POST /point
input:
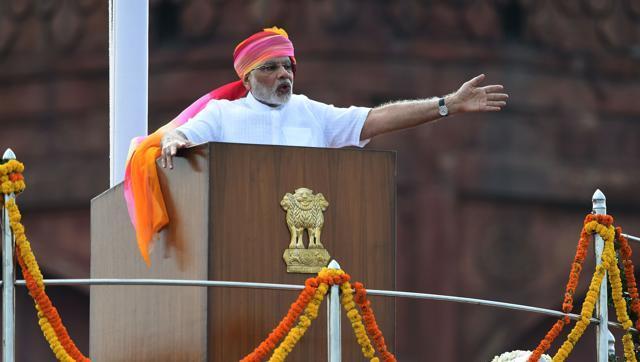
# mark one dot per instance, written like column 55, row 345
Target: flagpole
column 128, row 79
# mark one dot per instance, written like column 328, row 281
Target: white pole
column 612, row 344
column 128, row 79
column 602, row 313
column 334, row 344
column 8, row 280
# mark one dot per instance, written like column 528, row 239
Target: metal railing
column 604, row 337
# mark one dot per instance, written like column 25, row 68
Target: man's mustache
column 284, row 82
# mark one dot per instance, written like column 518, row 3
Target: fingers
column 169, row 162
column 493, row 88
column 497, row 96
column 496, row 100
column 167, row 157
column 496, row 103
column 477, row 80
column 172, row 152
column 170, row 149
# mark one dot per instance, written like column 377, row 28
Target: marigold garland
column 356, row 322
column 47, row 330
column 632, row 289
column 574, row 275
column 609, row 263
column 263, row 350
column 585, row 315
column 370, row 322
column 602, row 225
column 295, row 334
column 12, row 181
column 306, row 309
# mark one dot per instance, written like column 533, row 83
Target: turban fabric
column 143, row 196
column 260, row 47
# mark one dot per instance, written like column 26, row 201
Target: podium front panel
column 248, row 235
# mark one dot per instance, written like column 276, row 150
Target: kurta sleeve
column 342, row 126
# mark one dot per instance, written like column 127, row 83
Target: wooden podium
column 227, row 224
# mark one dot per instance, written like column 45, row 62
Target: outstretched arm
column 471, row 97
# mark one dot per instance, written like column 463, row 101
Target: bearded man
column 271, row 114
column 261, row 108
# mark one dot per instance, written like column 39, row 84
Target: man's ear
column 245, row 81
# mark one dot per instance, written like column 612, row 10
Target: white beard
column 270, row 95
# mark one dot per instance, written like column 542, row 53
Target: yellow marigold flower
column 562, row 353
column 305, row 321
column 627, row 343
column 323, row 288
column 7, row 187
column 21, row 239
column 18, row 228
column 350, row 305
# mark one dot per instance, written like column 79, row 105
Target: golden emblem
column 304, row 212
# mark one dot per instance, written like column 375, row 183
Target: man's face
column 272, row 81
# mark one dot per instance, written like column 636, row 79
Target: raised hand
column 472, row 97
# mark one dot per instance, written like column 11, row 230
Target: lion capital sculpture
column 304, row 212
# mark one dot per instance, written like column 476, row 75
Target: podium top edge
column 350, row 148
column 209, row 145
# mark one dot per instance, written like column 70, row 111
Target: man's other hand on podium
column 170, row 144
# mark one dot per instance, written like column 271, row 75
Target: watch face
column 443, row 110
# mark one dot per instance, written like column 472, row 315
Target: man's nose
column 282, row 73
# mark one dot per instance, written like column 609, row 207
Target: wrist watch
column 442, row 108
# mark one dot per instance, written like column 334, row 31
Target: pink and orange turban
column 260, row 47
column 142, row 192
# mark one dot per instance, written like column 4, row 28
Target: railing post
column 8, row 280
column 612, row 344
column 602, row 332
column 333, row 320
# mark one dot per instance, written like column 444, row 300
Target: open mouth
column 283, row 89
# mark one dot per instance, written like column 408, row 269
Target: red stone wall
column 489, row 205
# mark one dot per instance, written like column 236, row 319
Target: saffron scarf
column 142, row 192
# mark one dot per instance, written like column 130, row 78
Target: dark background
column 489, row 205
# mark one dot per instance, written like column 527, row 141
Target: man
column 271, row 114
column 261, row 108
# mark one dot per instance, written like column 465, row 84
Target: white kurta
column 299, row 122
